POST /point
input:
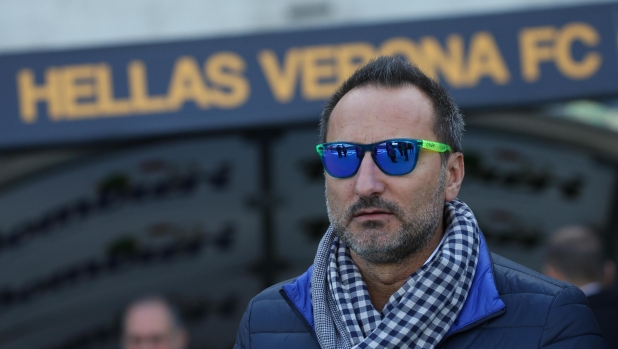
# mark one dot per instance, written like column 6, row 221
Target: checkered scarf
column 418, row 315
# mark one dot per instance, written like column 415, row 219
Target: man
column 404, row 264
column 575, row 255
column 153, row 323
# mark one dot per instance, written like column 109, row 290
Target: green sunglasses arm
column 435, row 146
column 320, row 149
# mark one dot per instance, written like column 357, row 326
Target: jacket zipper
column 479, row 321
column 300, row 316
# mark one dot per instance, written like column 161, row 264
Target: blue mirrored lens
column 341, row 160
column 396, row 157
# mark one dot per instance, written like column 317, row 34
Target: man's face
column 149, row 326
column 380, row 217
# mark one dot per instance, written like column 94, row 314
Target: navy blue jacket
column 508, row 306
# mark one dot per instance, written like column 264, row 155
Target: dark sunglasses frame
column 418, row 144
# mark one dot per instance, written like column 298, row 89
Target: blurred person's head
column 575, row 254
column 153, row 323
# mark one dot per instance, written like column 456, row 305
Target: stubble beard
column 416, row 228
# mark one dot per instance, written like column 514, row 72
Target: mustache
column 374, row 202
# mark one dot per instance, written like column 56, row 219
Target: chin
column 379, row 240
column 381, row 254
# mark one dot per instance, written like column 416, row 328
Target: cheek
column 339, row 192
column 427, row 172
column 419, row 189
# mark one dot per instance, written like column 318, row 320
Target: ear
column 609, row 273
column 552, row 272
column 454, row 176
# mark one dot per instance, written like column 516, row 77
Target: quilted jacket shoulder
column 271, row 322
column 540, row 312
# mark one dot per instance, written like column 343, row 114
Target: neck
column 383, row 280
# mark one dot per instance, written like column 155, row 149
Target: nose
column 369, row 178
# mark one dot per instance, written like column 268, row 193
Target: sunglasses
column 395, row 157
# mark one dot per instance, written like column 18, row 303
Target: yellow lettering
column 87, row 91
column 450, row 63
column 485, row 59
column 79, row 91
column 187, row 84
column 319, row 79
column 282, row 82
column 30, row 94
column 557, row 46
column 564, row 60
column 138, row 90
column 535, row 47
column 107, row 104
column 225, row 71
column 350, row 57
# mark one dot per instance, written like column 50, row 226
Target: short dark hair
column 577, row 252
column 394, row 72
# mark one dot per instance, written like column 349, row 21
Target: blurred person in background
column 575, row 254
column 152, row 322
column 404, row 264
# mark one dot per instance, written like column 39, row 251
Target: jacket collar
column 483, row 299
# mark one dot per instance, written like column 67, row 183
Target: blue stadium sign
column 282, row 78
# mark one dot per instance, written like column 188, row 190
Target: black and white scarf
column 418, row 315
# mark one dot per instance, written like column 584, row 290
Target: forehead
column 369, row 114
column 148, row 317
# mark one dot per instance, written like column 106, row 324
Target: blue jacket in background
column 508, row 306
